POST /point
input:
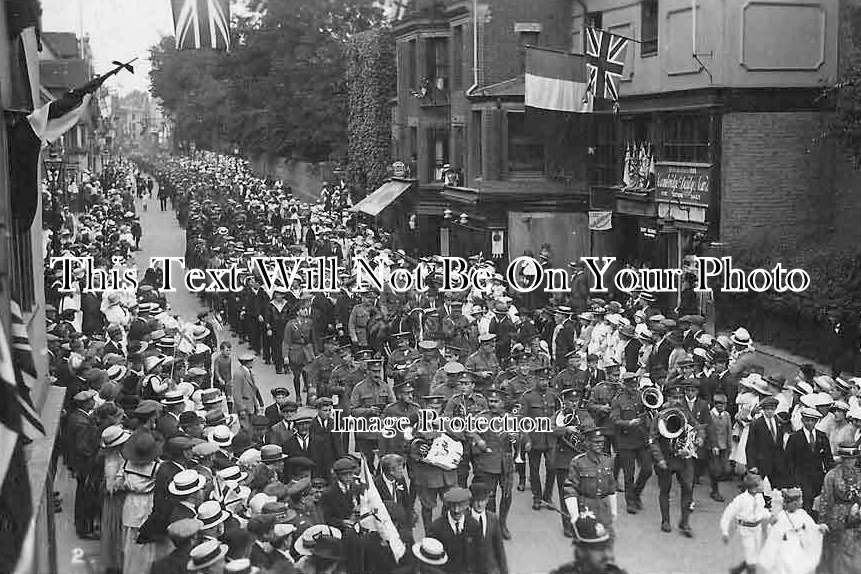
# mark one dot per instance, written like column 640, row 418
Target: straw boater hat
column 206, row 554
column 741, row 337
column 430, row 551
column 186, row 482
column 114, row 436
column 304, row 545
column 211, row 514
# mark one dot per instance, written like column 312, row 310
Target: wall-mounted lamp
column 464, row 218
column 446, row 214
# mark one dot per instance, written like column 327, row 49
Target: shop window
column 686, row 139
column 604, row 163
column 525, row 146
column 438, row 150
column 23, row 286
column 649, row 27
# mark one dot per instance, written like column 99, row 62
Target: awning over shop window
column 383, row 197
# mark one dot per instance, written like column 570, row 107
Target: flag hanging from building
column 605, row 62
column 201, row 24
column 556, row 81
column 19, row 422
column 600, row 220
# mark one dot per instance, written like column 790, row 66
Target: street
column 537, row 543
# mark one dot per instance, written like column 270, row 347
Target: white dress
column 793, row 545
column 746, row 514
column 746, row 402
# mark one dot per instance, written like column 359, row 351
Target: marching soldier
column 493, row 459
column 427, row 367
column 673, row 458
column 571, row 376
column 402, row 354
column 459, row 331
column 569, row 441
column 599, row 402
column 447, row 380
column 484, row 362
column 591, row 486
column 321, row 368
column 466, row 402
column 367, row 400
column 407, row 408
column 626, row 414
column 539, row 402
column 430, row 481
column 360, row 320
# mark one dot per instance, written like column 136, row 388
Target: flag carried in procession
column 201, row 24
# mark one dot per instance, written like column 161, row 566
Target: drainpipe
column 474, row 48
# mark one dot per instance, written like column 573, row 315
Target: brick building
column 459, row 109
column 737, row 108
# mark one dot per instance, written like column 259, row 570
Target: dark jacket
column 766, row 455
column 806, row 464
column 462, row 558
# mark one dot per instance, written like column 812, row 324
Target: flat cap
column 456, row 495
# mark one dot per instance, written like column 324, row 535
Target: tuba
column 673, row 425
column 567, row 417
column 652, row 398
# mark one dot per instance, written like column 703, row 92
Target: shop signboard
column 688, row 184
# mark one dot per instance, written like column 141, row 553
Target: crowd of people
column 182, row 465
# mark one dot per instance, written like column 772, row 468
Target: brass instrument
column 673, row 425
column 573, row 439
column 652, row 398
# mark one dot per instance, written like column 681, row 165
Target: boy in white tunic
column 747, row 511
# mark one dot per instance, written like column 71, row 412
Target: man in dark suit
column 765, row 454
column 181, row 533
column 492, row 549
column 326, row 445
column 115, row 341
column 339, row 501
column 562, row 339
column 281, row 432
column 300, row 443
column 459, row 533
column 273, row 411
column 631, row 352
column 699, row 412
column 808, row 457
column 168, row 422
column 83, row 436
column 392, row 485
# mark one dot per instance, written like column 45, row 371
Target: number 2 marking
column 77, row 556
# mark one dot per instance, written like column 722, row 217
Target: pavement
column 537, row 545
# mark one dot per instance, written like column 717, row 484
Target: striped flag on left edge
column 19, row 423
column 556, row 81
column 201, row 24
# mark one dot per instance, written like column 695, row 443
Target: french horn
column 671, row 423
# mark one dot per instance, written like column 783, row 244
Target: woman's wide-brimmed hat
column 141, row 447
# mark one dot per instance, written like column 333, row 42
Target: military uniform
column 536, row 403
column 398, row 443
column 569, row 378
column 358, row 323
column 430, row 481
column 494, row 465
column 563, row 453
column 424, row 372
column 599, row 407
column 366, row 395
column 683, row 468
column 590, row 479
column 460, row 405
column 482, row 361
column 631, row 444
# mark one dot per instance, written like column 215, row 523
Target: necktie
column 481, row 524
column 773, row 429
column 812, row 440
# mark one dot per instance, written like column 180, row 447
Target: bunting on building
column 600, row 220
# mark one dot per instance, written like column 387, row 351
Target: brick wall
column 778, row 181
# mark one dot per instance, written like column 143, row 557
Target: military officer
column 426, row 367
column 483, row 362
column 367, row 400
column 404, row 407
column 593, row 549
column 599, row 401
column 540, row 401
column 447, row 380
column 569, row 440
column 591, row 485
column 360, row 320
column 571, row 376
column 321, row 368
column 493, row 458
column 402, row 354
column 459, row 331
column 627, row 414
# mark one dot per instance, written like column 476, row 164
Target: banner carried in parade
column 605, row 61
column 556, row 81
column 201, row 24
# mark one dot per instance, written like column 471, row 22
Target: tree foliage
column 371, row 83
column 281, row 88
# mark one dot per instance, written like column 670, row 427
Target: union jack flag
column 201, row 24
column 605, row 60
